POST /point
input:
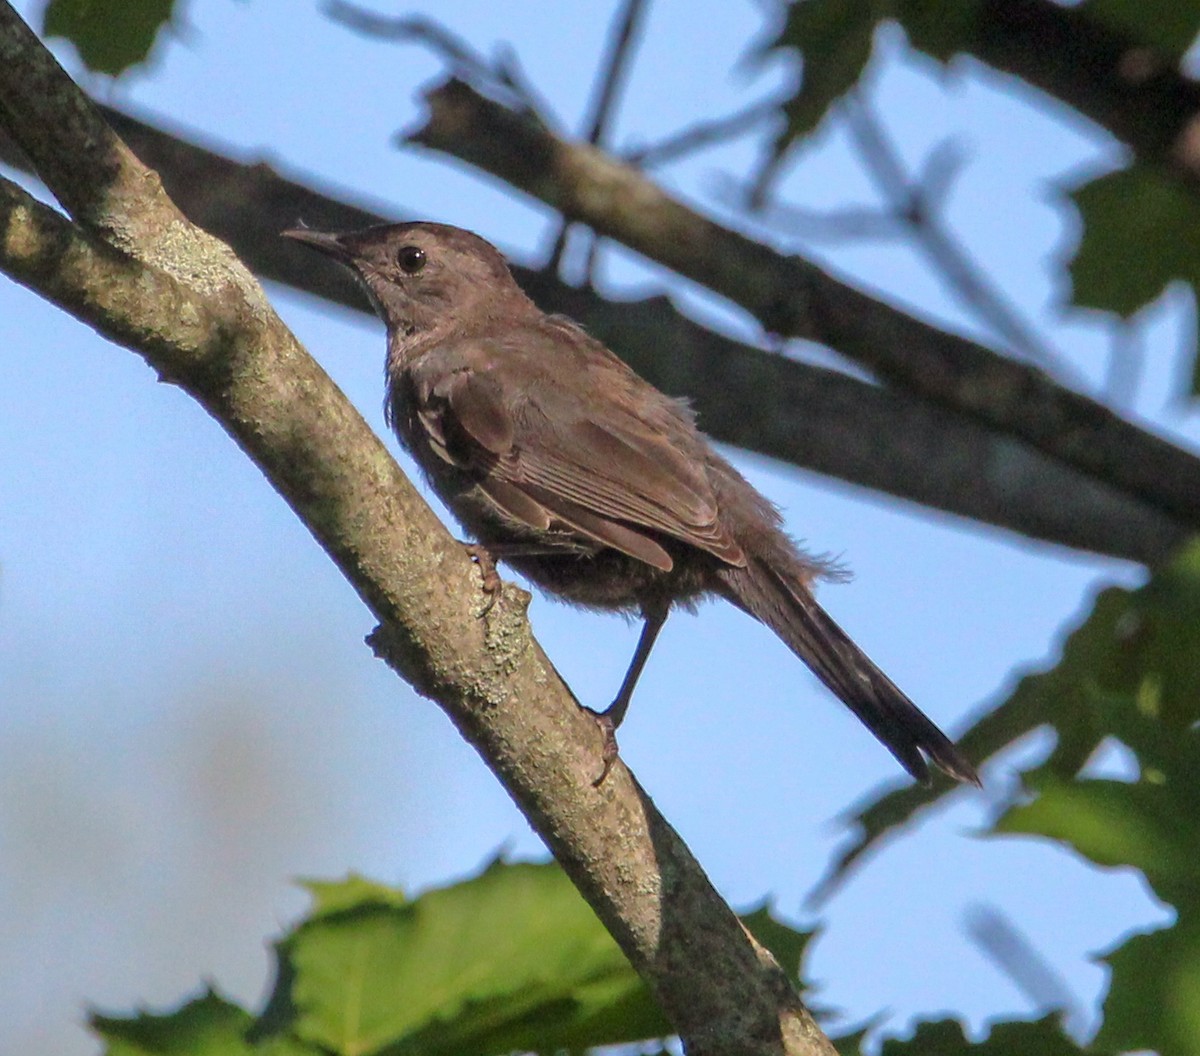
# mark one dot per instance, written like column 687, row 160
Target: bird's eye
column 411, row 259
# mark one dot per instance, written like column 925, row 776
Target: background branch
column 1141, row 98
column 794, row 297
column 703, row 134
column 916, row 204
column 808, row 416
column 610, row 81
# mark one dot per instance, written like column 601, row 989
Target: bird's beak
column 326, row 242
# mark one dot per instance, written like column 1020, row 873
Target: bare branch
column 915, row 204
column 851, row 223
column 81, row 160
column 703, row 134
column 998, row 937
column 811, row 417
column 795, row 297
column 610, row 82
column 504, row 76
column 616, row 68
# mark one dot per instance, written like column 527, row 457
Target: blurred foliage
column 1129, row 676
column 1167, row 26
column 1126, row 674
column 1042, row 1037
column 111, row 35
column 510, row 960
column 835, row 37
column 1138, row 225
column 1149, row 222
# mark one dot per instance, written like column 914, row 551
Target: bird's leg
column 655, row 618
column 612, row 716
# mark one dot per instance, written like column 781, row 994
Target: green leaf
column 787, row 945
column 1153, row 1000
column 834, row 37
column 1149, row 655
column 1150, row 826
column 111, row 35
column 939, row 28
column 851, row 1044
column 1141, row 230
column 331, row 897
column 511, row 960
column 1167, row 26
column 207, row 1026
column 1127, row 672
column 1042, row 1037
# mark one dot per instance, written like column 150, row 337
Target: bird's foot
column 482, row 556
column 609, row 751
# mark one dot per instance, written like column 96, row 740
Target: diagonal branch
column 794, row 297
column 703, row 134
column 809, row 416
column 217, row 338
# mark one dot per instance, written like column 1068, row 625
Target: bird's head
column 424, row 278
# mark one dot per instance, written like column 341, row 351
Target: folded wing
column 544, row 455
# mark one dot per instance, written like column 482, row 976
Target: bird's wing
column 546, row 451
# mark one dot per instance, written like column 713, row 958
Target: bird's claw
column 492, row 583
column 610, row 751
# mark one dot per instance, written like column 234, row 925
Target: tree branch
column 917, row 204
column 814, row 418
column 204, row 330
column 1140, row 98
column 793, row 297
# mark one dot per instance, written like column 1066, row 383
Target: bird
column 560, row 460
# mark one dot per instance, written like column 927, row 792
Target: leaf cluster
column 511, row 960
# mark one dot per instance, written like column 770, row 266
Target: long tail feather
column 810, row 632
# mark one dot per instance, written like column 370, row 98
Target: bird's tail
column 809, row 631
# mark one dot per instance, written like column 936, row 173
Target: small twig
column 501, row 77
column 409, row 27
column 609, row 82
column 766, row 176
column 938, row 173
column 512, row 73
column 852, row 224
column 1126, row 357
column 702, row 134
column 612, row 78
column 792, row 296
column 916, row 202
column 999, row 938
column 558, row 249
column 196, row 316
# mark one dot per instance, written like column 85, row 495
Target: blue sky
column 190, row 719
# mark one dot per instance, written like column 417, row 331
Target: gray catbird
column 585, row 478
